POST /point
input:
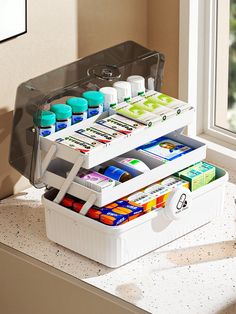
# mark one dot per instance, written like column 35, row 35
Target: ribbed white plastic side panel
column 116, row 246
column 68, row 232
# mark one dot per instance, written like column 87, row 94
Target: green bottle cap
column 94, row 98
column 78, row 104
column 44, row 118
column 62, row 111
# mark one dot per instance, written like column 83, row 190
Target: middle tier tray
column 56, row 172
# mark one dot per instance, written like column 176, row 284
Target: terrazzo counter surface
column 195, row 274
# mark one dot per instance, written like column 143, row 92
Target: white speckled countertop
column 194, row 274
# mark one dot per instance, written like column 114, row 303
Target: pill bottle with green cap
column 63, row 116
column 123, row 90
column 137, row 85
column 95, row 102
column 79, row 108
column 110, row 97
column 45, row 121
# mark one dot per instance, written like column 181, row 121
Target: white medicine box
column 46, row 162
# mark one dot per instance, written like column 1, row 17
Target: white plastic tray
column 116, row 148
column 115, row 246
column 55, row 175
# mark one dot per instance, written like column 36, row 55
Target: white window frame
column 197, row 72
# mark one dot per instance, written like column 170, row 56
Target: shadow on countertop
column 203, row 254
column 229, row 309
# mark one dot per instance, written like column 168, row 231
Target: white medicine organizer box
column 46, row 162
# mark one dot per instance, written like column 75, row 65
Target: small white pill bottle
column 110, row 97
column 123, row 90
column 137, row 85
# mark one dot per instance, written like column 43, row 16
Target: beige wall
column 163, row 35
column 51, row 41
column 105, row 23
column 59, row 31
column 155, row 24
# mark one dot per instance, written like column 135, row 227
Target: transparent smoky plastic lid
column 90, row 73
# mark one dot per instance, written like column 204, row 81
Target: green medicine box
column 208, row 171
column 198, row 175
column 194, row 177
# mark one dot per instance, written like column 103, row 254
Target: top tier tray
column 117, row 148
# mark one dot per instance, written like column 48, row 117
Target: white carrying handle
column 67, row 182
column 90, row 202
column 178, row 203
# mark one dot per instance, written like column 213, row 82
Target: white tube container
column 123, row 90
column 132, row 165
column 137, row 85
